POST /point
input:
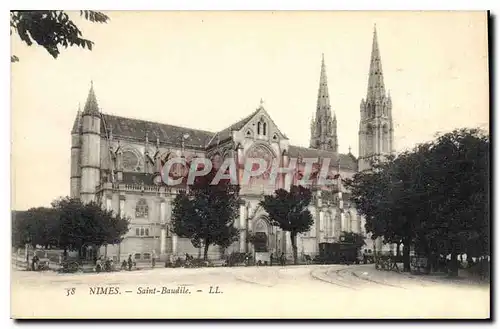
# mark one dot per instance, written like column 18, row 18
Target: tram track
column 323, row 276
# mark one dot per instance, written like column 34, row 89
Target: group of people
column 128, row 264
column 279, row 260
column 104, row 264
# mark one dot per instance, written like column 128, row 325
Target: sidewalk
column 464, row 277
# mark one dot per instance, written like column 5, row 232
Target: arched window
column 385, row 141
column 147, row 256
column 369, row 140
column 137, row 231
column 137, row 256
column 262, row 127
column 141, row 209
column 147, row 232
column 131, row 161
column 142, row 231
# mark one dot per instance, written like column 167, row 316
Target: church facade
column 114, row 161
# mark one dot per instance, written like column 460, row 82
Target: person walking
column 98, row 265
column 34, row 262
column 271, row 258
column 130, row 262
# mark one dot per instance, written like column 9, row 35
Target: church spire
column 376, row 132
column 323, row 103
column 91, row 105
column 324, row 127
column 376, row 87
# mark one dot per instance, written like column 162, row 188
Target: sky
column 207, row 70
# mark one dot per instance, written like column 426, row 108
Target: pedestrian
column 153, row 261
column 282, row 259
column 98, row 265
column 130, row 262
column 34, row 262
column 271, row 259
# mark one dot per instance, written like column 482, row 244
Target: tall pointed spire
column 323, row 104
column 324, row 127
column 91, row 105
column 376, row 87
column 376, row 125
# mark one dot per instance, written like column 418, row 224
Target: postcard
column 250, row 165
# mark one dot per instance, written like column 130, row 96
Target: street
column 312, row 291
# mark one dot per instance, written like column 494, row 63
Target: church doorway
column 261, row 241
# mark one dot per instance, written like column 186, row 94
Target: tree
column 20, row 230
column 289, row 211
column 434, row 197
column 52, row 29
column 36, row 227
column 206, row 213
column 457, row 177
column 87, row 224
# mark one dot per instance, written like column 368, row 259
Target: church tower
column 323, row 127
column 376, row 131
column 90, row 148
column 75, row 179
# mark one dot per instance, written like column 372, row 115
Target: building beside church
column 114, row 161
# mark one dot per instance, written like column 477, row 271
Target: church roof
column 136, row 129
column 347, row 161
column 199, row 139
column 226, row 134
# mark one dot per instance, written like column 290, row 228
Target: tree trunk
column 430, row 261
column 293, row 237
column 205, row 250
column 453, row 265
column 398, row 246
column 406, row 255
column 470, row 262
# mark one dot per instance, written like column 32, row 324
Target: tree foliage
column 289, row 211
column 87, row 224
column 206, row 213
column 36, row 226
column 52, row 29
column 434, row 197
column 68, row 225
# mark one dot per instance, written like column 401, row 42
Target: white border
column 176, row 5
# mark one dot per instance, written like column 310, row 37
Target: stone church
column 114, row 161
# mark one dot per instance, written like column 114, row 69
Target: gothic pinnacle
column 323, row 103
column 91, row 105
column 376, row 87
